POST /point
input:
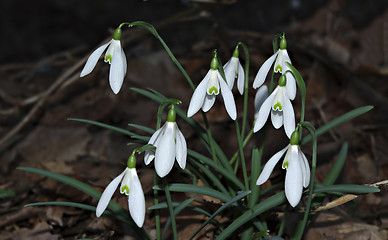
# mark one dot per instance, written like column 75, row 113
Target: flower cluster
column 168, row 143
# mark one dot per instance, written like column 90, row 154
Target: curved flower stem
column 302, row 225
column 148, row 27
column 242, row 158
column 246, row 83
column 170, row 209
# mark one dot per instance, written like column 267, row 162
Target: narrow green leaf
column 115, row 207
column 143, row 128
column 178, row 187
column 338, row 121
column 164, row 205
column 177, row 210
column 103, row 125
column 337, row 166
column 258, row 209
column 219, row 210
column 211, row 176
column 345, row 188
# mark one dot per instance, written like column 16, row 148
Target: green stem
column 170, row 209
column 209, row 136
column 152, row 30
column 282, row 224
column 246, row 83
column 247, row 138
column 157, row 211
column 242, row 158
column 302, row 225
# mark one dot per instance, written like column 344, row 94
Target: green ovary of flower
column 213, row 90
column 277, row 106
column 285, row 165
column 108, row 58
column 125, row 189
column 278, row 68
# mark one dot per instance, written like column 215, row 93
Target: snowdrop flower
column 115, row 57
column 170, row 144
column 130, row 186
column 280, row 58
column 297, row 166
column 234, row 69
column 205, row 94
column 282, row 112
column 261, row 95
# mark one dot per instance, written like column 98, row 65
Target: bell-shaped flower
column 170, row 144
column 282, row 112
column 115, row 57
column 206, row 92
column 130, row 186
column 233, row 69
column 280, row 58
column 297, row 166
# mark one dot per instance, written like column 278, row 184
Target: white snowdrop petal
column 230, row 72
column 306, row 175
column 240, row 79
column 294, row 180
column 263, row 113
column 208, row 102
column 181, row 148
column 198, row 97
column 277, row 118
column 149, row 155
column 291, row 86
column 288, row 116
column 261, row 95
column 108, row 193
column 263, row 71
column 124, row 61
column 165, row 151
column 227, row 95
column 269, row 166
column 136, row 201
column 116, row 73
column 93, row 59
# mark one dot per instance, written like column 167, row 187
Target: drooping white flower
column 130, row 186
column 115, row 57
column 280, row 58
column 282, row 112
column 261, row 95
column 170, row 144
column 297, row 166
column 205, row 94
column 234, row 69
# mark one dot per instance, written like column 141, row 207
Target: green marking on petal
column 108, row 58
column 213, row 90
column 278, row 68
column 277, row 106
column 125, row 189
column 285, row 165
